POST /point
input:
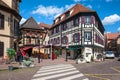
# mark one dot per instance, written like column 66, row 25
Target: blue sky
column 46, row 10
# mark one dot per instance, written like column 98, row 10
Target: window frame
column 87, row 19
column 76, row 37
column 2, row 20
column 88, row 34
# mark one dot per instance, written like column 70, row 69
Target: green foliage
column 11, row 53
column 92, row 58
column 56, row 52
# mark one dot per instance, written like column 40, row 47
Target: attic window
column 71, row 11
column 59, row 18
column 62, row 17
column 67, row 14
column 56, row 20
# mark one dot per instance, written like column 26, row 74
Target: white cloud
column 118, row 29
column 51, row 11
column 108, row 0
column 111, row 19
column 69, row 6
column 89, row 6
column 79, row 0
column 48, row 11
column 76, row 0
column 22, row 20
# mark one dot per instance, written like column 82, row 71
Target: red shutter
column 83, row 20
column 72, row 38
column 79, row 37
column 92, row 19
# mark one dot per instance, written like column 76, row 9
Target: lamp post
column 51, row 50
column 39, row 51
column 66, row 51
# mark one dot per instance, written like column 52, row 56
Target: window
column 16, row 28
column 67, row 14
column 64, row 40
column 76, row 22
column 82, row 20
column 58, row 40
column 69, row 24
column 64, row 27
column 28, row 40
column 57, row 29
column 52, row 31
column 16, row 4
column 1, row 48
column 87, row 19
column 1, row 21
column 76, row 37
column 87, row 36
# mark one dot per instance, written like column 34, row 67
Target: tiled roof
column 30, row 24
column 76, row 9
column 111, row 35
column 45, row 25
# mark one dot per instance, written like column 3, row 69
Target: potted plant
column 56, row 53
column 11, row 54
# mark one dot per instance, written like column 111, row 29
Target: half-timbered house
column 79, row 31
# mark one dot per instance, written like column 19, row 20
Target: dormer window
column 59, row 18
column 71, row 11
column 62, row 17
column 67, row 14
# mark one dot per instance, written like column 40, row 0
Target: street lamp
column 39, row 51
column 51, row 50
column 66, row 51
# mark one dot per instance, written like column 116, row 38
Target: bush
column 11, row 54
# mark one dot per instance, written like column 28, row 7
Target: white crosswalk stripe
column 59, row 72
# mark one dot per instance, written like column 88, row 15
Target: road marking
column 59, row 72
column 55, row 66
column 115, row 69
column 102, row 74
column 67, row 67
column 42, row 74
column 55, row 76
column 99, row 77
column 72, row 77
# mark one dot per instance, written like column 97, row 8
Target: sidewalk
column 43, row 62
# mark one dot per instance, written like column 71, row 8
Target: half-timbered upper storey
column 78, row 25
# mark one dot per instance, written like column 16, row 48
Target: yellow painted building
column 9, row 25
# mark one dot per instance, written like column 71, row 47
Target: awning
column 26, row 48
column 49, row 46
column 74, row 47
column 36, row 50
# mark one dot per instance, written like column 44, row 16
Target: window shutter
column 78, row 37
column 83, row 19
column 92, row 19
column 73, row 38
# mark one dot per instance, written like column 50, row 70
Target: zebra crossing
column 59, row 72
